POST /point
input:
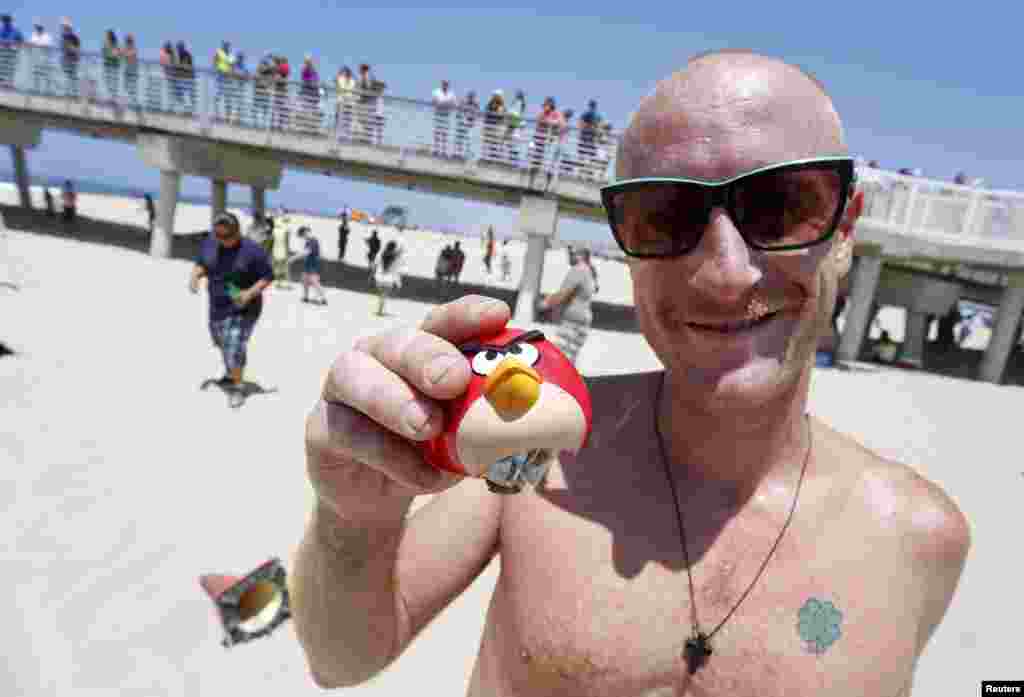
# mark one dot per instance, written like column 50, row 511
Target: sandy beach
column 125, row 481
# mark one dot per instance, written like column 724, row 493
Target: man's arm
column 941, row 538
column 361, row 593
column 564, row 294
column 198, row 272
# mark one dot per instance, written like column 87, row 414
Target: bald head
column 727, row 112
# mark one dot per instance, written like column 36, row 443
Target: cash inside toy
column 509, row 474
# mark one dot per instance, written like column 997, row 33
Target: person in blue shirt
column 237, row 270
column 310, row 267
column 10, row 41
column 586, row 148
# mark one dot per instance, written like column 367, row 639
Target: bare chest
column 594, row 599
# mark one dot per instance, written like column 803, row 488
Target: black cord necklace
column 698, row 646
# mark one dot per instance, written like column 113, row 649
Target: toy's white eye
column 527, row 353
column 486, row 361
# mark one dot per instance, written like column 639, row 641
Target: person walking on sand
column 343, row 231
column 489, row 249
column 310, row 266
column 69, row 201
column 150, row 207
column 51, row 209
column 506, row 262
column 388, row 274
column 712, row 536
column 237, row 272
column 572, row 305
column 372, row 248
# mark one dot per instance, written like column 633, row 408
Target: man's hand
column 193, row 286
column 381, row 396
column 246, row 296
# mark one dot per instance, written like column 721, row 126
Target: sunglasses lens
column 787, row 207
column 773, row 210
column 658, row 218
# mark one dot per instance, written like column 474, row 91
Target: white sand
column 125, row 482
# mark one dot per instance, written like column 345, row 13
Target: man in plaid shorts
column 237, row 270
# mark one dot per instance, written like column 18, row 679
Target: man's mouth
column 735, row 326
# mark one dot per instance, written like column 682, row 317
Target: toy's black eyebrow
column 474, row 346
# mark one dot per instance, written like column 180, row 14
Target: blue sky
column 916, row 85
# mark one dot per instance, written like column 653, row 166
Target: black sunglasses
column 781, row 207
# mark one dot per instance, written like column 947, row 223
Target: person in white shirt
column 41, row 49
column 387, row 275
column 444, row 103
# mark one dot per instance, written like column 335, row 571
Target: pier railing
column 941, row 210
column 317, row 110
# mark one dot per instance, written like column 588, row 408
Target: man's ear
column 851, row 214
column 842, row 248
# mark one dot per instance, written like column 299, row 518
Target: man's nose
column 725, row 262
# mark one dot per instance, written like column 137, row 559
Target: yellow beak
column 512, row 389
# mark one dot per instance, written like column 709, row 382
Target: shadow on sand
column 333, row 273
column 248, row 388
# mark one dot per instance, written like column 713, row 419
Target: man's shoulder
column 896, row 497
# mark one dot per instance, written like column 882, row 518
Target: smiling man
column 712, row 538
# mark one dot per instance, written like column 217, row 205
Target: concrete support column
column 914, row 338
column 529, row 282
column 1004, row 334
column 538, row 218
column 259, row 201
column 21, row 175
column 163, row 231
column 219, row 199
column 866, row 272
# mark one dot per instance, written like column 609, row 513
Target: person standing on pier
column 42, row 58
column 11, row 40
column 111, row 64
column 130, row 56
column 187, row 74
column 71, row 52
column 444, row 101
column 237, row 272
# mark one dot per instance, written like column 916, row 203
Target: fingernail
column 488, row 307
column 439, row 367
column 415, row 416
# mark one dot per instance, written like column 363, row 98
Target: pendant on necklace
column 698, row 648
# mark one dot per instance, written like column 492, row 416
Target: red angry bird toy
column 525, row 401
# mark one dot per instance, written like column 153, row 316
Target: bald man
column 711, row 539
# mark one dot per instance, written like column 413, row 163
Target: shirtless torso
column 593, row 598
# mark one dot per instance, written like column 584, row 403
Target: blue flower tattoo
column 819, row 625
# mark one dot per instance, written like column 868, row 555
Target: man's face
column 225, row 235
column 444, row 85
column 744, row 121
